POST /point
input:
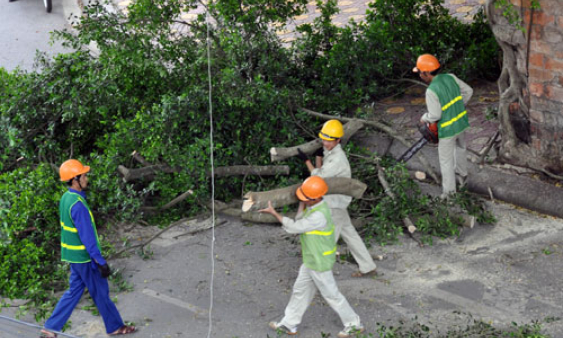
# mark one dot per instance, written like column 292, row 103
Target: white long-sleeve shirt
column 314, row 221
column 433, row 103
column 335, row 164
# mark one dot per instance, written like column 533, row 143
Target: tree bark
column 280, row 154
column 286, row 196
column 240, row 170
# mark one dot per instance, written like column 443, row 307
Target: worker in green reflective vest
column 316, row 229
column 446, row 98
column 80, row 247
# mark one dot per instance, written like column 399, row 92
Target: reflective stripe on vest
column 73, row 247
column 447, row 123
column 69, row 229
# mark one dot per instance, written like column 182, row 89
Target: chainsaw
column 429, row 133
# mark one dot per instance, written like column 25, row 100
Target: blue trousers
column 85, row 275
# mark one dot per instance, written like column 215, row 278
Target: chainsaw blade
column 413, row 150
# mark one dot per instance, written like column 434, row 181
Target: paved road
column 26, row 27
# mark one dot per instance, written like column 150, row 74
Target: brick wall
column 545, row 78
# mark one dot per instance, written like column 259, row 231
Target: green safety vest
column 454, row 116
column 72, row 248
column 319, row 246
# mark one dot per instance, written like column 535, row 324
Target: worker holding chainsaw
column 81, row 248
column 316, row 229
column 446, row 98
column 331, row 161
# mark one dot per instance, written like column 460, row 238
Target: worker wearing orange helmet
column 446, row 98
column 331, row 161
column 80, row 247
column 314, row 225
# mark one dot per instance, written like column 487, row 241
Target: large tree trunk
column 531, row 100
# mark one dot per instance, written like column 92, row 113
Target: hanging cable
column 212, row 176
column 34, row 326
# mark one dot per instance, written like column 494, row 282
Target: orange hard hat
column 426, row 63
column 312, row 188
column 72, row 168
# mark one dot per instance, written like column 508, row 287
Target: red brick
column 541, row 47
column 542, row 19
column 554, row 65
column 560, row 21
column 536, row 59
column 554, row 93
column 561, row 80
column 536, row 116
column 536, row 32
column 536, row 143
column 540, row 75
column 558, row 55
column 537, row 89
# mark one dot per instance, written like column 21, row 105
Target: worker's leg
column 303, row 292
column 461, row 155
column 329, row 290
column 68, row 301
column 446, row 154
column 99, row 291
column 355, row 243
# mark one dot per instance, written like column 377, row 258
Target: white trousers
column 343, row 226
column 452, row 160
column 304, row 289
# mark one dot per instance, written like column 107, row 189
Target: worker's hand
column 104, row 270
column 269, row 210
column 302, row 155
column 319, row 152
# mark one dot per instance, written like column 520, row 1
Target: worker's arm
column 434, row 108
column 464, row 89
column 314, row 221
column 83, row 223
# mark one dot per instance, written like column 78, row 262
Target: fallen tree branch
column 285, row 196
column 490, row 144
column 172, row 203
column 140, row 173
column 280, row 154
column 155, row 236
column 381, row 176
column 239, row 170
column 387, row 130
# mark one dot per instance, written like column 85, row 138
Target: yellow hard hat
column 332, row 130
column 72, row 168
column 426, row 63
column 312, row 188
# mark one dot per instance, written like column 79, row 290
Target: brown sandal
column 125, row 329
column 372, row 273
column 47, row 334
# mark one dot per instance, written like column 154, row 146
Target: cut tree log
column 280, row 154
column 386, row 129
column 243, row 170
column 140, row 173
column 286, row 196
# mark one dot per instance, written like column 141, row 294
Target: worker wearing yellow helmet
column 446, row 98
column 316, row 229
column 331, row 161
column 80, row 247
